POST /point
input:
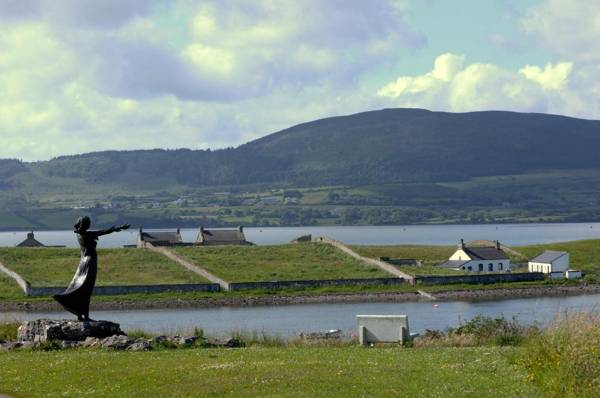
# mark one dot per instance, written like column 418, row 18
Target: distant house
column 550, row 262
column 478, row 259
column 30, row 241
column 159, row 238
column 214, row 237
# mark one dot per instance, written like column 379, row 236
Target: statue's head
column 83, row 224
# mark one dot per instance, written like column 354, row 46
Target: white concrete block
column 382, row 328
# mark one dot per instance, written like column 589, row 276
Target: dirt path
column 192, row 267
column 23, row 284
column 370, row 261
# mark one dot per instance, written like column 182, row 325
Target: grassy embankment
column 56, row 266
column 45, row 267
column 282, row 262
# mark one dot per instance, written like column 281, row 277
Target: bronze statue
column 76, row 298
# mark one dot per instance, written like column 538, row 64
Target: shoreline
column 332, row 298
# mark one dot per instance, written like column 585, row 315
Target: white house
column 478, row 259
column 550, row 262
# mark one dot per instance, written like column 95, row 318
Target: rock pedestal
column 43, row 330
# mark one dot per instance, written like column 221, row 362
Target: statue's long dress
column 76, row 298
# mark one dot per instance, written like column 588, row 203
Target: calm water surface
column 511, row 234
column 289, row 320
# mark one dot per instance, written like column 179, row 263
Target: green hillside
column 382, row 167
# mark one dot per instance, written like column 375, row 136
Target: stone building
column 215, row 237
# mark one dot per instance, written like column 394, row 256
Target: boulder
column 43, row 330
column 187, row 340
column 230, row 343
column 117, row 342
column 91, row 342
column 140, row 345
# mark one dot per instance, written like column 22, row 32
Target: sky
column 89, row 75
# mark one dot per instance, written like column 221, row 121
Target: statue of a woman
column 76, row 298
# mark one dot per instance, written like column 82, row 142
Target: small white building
column 550, row 262
column 573, row 274
column 478, row 259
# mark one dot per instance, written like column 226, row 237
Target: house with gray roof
column 478, row 259
column 550, row 262
column 159, row 238
column 216, row 237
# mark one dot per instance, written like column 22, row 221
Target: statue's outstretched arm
column 110, row 230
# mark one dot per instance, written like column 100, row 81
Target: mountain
column 386, row 146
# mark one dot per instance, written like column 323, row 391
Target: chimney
column 140, row 230
column 462, row 244
column 30, row 235
column 241, row 228
column 201, row 229
column 498, row 244
column 178, row 231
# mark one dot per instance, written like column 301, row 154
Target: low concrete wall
column 480, row 278
column 314, row 283
column 115, row 290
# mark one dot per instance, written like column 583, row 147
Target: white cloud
column 452, row 85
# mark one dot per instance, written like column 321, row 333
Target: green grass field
column 56, row 266
column 267, row 372
column 282, row 262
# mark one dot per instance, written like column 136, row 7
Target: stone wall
column 116, row 290
column 480, row 278
column 314, row 283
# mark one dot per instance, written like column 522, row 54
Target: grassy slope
column 56, row 266
column 430, row 256
column 9, row 288
column 252, row 372
column 283, row 262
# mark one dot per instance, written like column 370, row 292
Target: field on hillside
column 56, row 266
column 281, row 262
column 274, row 372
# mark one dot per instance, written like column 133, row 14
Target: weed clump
column 564, row 359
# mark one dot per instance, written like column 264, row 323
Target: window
column 500, row 265
column 470, row 268
column 490, row 267
column 480, row 267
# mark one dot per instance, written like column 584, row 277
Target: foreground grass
column 565, row 358
column 56, row 266
column 259, row 372
column 281, row 262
